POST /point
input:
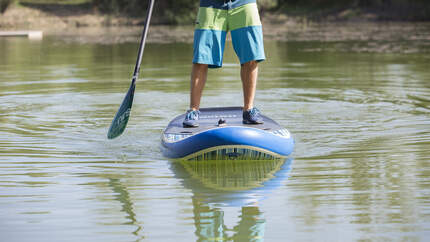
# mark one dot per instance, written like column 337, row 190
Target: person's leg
column 198, row 79
column 199, row 74
column 247, row 38
column 209, row 40
column 249, row 74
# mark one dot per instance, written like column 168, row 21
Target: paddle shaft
column 143, row 40
column 121, row 118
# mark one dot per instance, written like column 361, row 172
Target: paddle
column 121, row 118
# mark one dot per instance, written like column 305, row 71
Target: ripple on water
column 360, row 170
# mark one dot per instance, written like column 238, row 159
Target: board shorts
column 215, row 19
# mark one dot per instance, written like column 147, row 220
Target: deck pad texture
column 209, row 118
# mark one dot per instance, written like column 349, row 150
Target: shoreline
column 88, row 27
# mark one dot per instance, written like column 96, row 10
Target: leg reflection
column 210, row 225
column 251, row 226
column 209, row 222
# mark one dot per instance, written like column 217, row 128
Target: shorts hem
column 257, row 59
column 205, row 62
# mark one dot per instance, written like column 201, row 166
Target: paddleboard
column 221, row 135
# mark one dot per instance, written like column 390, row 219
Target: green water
column 360, row 170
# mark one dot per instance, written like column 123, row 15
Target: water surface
column 360, row 170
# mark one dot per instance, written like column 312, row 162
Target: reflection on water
column 123, row 196
column 230, row 183
column 361, row 164
column 210, row 224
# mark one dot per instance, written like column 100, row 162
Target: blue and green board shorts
column 215, row 18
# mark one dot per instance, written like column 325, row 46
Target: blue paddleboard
column 221, row 135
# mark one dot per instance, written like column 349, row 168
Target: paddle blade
column 121, row 118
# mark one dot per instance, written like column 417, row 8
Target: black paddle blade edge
column 121, row 118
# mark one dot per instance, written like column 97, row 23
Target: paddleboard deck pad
column 221, row 135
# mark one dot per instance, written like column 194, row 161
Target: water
column 360, row 170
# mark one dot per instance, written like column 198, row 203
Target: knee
column 200, row 66
column 250, row 64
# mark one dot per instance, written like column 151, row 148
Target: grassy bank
column 356, row 10
column 58, row 15
column 165, row 12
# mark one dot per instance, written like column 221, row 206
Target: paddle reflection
column 222, row 185
column 123, row 196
